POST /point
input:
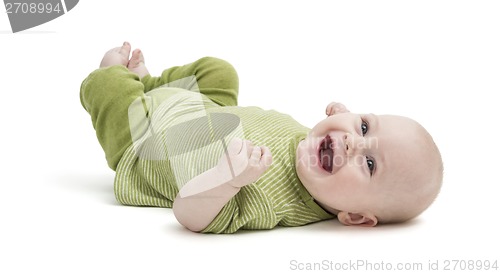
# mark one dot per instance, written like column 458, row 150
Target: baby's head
column 370, row 168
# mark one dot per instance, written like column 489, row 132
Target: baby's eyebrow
column 373, row 119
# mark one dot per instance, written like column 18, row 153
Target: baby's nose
column 353, row 144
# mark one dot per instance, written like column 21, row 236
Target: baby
column 181, row 141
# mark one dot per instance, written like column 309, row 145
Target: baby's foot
column 136, row 64
column 116, row 56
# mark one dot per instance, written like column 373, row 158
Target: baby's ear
column 357, row 219
column 335, row 108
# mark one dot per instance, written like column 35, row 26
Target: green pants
column 107, row 93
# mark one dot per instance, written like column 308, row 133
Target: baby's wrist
column 235, row 186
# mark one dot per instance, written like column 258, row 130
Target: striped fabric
column 162, row 159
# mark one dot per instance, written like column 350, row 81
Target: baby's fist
column 244, row 162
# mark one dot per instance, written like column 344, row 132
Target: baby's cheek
column 352, row 170
column 351, row 178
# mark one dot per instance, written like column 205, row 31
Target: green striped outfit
column 147, row 132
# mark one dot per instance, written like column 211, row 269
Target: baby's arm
column 202, row 198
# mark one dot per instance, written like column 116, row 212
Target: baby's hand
column 116, row 56
column 335, row 108
column 243, row 162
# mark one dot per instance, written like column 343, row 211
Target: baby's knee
column 215, row 68
column 218, row 64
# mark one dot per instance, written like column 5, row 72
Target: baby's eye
column 371, row 165
column 364, row 127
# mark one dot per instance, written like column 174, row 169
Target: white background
column 435, row 61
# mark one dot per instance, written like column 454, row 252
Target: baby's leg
column 106, row 94
column 120, row 56
column 215, row 78
column 116, row 56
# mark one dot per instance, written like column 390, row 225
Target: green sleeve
column 249, row 209
column 215, row 78
column 106, row 95
column 226, row 221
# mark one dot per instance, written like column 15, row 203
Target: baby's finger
column 254, row 159
column 267, row 158
column 248, row 147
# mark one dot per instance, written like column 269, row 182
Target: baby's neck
column 329, row 209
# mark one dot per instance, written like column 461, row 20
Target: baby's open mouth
column 326, row 154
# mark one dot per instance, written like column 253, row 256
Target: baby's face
column 348, row 160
